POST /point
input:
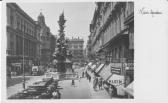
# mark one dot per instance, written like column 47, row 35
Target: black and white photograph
column 84, row 51
column 70, row 50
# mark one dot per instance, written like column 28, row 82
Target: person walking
column 73, row 83
column 95, row 83
column 89, row 78
column 100, row 83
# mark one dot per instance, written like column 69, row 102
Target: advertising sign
column 116, row 68
column 118, row 82
column 116, row 71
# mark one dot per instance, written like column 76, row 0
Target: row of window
column 45, row 38
column 115, row 27
column 29, row 47
column 76, row 46
column 21, row 23
column 25, row 27
column 117, row 54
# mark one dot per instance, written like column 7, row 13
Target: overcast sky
column 78, row 16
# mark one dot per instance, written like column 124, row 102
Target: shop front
column 105, row 72
column 117, row 82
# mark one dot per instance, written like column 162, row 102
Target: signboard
column 116, row 71
column 129, row 66
column 116, row 68
column 118, row 81
column 116, row 65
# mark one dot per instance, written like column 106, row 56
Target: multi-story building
column 75, row 46
column 111, row 34
column 47, row 41
column 89, row 55
column 37, row 46
column 53, row 39
column 21, row 39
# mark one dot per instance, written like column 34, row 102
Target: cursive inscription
column 145, row 11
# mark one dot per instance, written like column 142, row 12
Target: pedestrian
column 95, row 83
column 89, row 78
column 23, row 84
column 79, row 78
column 83, row 74
column 87, row 75
column 73, row 83
column 100, row 83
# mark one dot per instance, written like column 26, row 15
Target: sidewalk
column 98, row 94
column 19, row 87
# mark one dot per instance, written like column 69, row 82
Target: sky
column 77, row 14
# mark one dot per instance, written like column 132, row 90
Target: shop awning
column 99, row 68
column 93, row 66
column 89, row 72
column 90, row 64
column 129, row 89
column 105, row 72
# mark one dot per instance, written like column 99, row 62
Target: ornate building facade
column 47, row 41
column 75, row 46
column 22, row 39
column 112, row 37
column 28, row 39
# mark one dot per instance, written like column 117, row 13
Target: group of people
column 98, row 82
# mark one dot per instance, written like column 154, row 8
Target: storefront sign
column 129, row 66
column 116, row 65
column 118, row 82
column 116, row 68
column 116, row 71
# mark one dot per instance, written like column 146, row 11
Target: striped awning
column 105, row 72
column 93, row 66
column 99, row 68
column 90, row 64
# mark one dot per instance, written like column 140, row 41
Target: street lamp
column 23, row 65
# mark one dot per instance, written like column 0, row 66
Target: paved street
column 82, row 89
column 16, row 80
column 16, row 84
column 79, row 91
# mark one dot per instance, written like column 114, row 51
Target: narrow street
column 79, row 91
column 94, row 39
column 82, row 90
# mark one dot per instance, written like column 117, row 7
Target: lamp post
column 23, row 65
